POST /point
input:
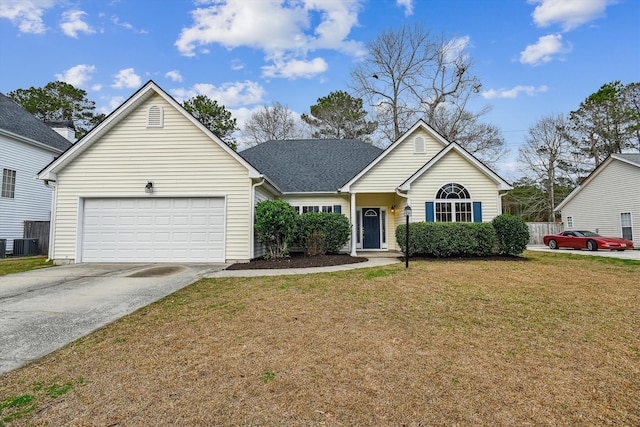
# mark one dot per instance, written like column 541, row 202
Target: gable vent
column 155, row 117
column 419, row 145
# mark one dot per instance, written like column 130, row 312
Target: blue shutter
column 477, row 211
column 337, row 208
column 429, row 209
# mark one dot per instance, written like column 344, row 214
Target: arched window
column 453, row 204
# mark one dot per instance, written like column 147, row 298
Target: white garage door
column 153, row 230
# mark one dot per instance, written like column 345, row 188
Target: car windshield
column 586, row 234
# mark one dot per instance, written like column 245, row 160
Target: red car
column 580, row 239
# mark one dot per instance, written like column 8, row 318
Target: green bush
column 512, row 234
column 445, row 239
column 276, row 227
column 320, row 232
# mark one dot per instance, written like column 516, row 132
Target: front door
column 371, row 226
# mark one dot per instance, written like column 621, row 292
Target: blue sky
column 533, row 57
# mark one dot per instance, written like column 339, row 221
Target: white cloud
column 127, row 25
column 26, row 14
column 96, row 87
column 73, row 23
column 514, row 92
column 174, row 75
column 569, row 14
column 230, row 95
column 408, row 6
column 277, row 28
column 456, row 48
column 78, row 75
column 544, row 50
column 127, row 78
column 295, row 68
column 237, row 64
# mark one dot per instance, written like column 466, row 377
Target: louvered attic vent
column 418, row 145
column 155, row 117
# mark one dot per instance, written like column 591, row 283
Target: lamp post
column 407, row 214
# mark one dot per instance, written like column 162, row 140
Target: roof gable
column 629, row 158
column 311, row 165
column 454, row 146
column 130, row 105
column 21, row 124
column 420, row 124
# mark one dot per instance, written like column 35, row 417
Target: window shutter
column 477, row 211
column 429, row 209
column 337, row 208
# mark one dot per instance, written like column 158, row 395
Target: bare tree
column 274, row 122
column 546, row 154
column 410, row 74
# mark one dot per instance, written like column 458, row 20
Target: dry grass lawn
column 553, row 340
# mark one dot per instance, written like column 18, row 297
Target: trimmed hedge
column 445, row 239
column 512, row 234
column 320, row 232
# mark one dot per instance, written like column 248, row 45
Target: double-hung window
column 453, row 203
column 8, row 183
column 625, row 223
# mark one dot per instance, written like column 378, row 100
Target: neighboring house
column 152, row 184
column 26, row 146
column 608, row 200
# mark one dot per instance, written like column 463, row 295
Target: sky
column 533, row 57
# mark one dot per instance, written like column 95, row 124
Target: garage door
column 153, row 230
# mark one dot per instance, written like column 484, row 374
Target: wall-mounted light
column 393, row 208
column 149, row 187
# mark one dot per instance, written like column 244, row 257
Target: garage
column 153, row 230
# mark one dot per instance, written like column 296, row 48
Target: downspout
column 406, row 196
column 52, row 219
column 253, row 218
column 500, row 196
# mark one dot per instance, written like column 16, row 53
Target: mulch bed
column 297, row 261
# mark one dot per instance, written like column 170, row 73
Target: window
column 625, row 222
column 8, row 183
column 569, row 222
column 155, row 117
column 459, row 209
column 418, row 145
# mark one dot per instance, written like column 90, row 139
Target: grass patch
column 551, row 341
column 10, row 266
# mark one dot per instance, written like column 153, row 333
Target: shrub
column 275, row 226
column 444, row 239
column 512, row 234
column 320, row 232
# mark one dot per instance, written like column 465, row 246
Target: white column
column 353, row 225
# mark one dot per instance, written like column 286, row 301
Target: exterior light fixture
column 393, row 208
column 407, row 214
column 149, row 187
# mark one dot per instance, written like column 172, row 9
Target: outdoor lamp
column 407, row 213
column 149, row 187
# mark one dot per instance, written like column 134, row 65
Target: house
column 26, row 146
column 152, row 184
column 608, row 200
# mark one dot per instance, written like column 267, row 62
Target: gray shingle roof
column 308, row 165
column 630, row 157
column 17, row 120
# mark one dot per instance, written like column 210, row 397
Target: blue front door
column 371, row 226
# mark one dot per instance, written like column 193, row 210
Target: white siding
column 397, row 166
column 598, row 205
column 454, row 168
column 262, row 194
column 32, row 199
column 180, row 160
column 321, row 200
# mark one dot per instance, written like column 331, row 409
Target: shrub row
column 278, row 226
column 506, row 234
column 444, row 239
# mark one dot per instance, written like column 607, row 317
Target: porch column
column 353, row 225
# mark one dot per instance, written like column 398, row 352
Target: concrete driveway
column 42, row 310
column 629, row 254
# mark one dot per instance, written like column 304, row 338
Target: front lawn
column 552, row 340
column 18, row 265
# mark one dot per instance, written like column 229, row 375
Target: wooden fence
column 537, row 230
column 38, row 230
